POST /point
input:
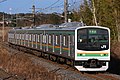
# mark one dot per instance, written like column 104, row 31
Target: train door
column 72, row 46
column 69, row 45
column 60, row 44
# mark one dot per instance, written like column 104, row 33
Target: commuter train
column 87, row 48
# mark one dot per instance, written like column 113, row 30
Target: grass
column 22, row 66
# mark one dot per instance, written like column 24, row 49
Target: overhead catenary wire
column 59, row 6
column 49, row 6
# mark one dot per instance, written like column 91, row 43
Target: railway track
column 103, row 76
column 65, row 72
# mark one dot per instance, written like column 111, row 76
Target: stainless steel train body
column 87, row 46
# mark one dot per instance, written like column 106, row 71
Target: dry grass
column 115, row 49
column 21, row 65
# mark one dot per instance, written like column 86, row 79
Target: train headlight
column 101, row 54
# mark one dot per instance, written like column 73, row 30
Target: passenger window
column 64, row 40
column 49, row 39
column 57, row 41
column 44, row 38
column 38, row 38
column 30, row 38
column 33, row 37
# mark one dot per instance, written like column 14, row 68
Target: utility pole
column 3, row 26
column 33, row 11
column 66, row 10
column 94, row 10
column 16, row 19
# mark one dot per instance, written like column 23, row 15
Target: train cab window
column 92, row 39
column 82, row 36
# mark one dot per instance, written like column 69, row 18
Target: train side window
column 17, row 36
column 44, row 38
column 30, row 37
column 49, row 39
column 20, row 36
column 26, row 36
column 56, row 40
column 64, row 40
column 33, row 37
column 41, row 36
column 38, row 38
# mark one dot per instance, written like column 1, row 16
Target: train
column 87, row 48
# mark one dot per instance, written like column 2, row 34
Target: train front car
column 92, row 48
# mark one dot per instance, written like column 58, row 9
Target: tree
column 86, row 14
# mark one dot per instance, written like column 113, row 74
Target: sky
column 46, row 6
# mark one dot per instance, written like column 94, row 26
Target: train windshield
column 92, row 39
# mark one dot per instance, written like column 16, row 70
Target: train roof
column 64, row 26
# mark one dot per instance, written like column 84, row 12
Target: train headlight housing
column 83, row 54
column 103, row 54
